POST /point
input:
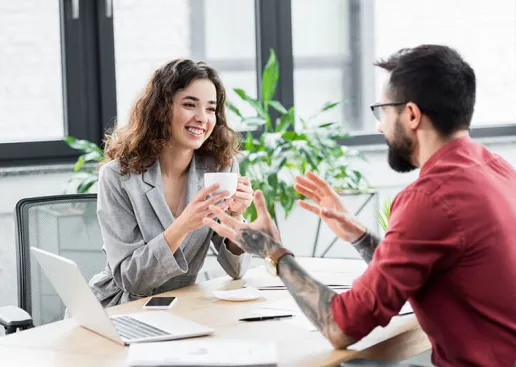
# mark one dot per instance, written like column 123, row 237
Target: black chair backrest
column 66, row 225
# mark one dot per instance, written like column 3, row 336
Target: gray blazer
column 133, row 215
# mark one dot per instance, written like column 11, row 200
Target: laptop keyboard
column 129, row 328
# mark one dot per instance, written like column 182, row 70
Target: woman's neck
column 174, row 161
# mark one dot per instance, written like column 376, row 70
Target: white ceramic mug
column 228, row 182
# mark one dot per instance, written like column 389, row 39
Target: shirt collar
column 444, row 150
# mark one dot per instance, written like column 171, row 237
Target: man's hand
column 329, row 206
column 260, row 237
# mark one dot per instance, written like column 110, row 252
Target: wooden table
column 64, row 343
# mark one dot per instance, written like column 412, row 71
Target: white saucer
column 239, row 295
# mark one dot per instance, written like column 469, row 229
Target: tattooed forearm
column 261, row 243
column 314, row 299
column 366, row 245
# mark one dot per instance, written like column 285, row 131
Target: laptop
column 83, row 306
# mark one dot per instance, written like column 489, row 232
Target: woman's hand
column 260, row 237
column 192, row 216
column 242, row 198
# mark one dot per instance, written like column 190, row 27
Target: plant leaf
column 253, row 102
column 328, row 124
column 329, row 106
column 286, row 121
column 234, row 109
column 250, row 213
column 309, row 159
column 86, row 184
column 278, row 107
column 83, row 145
column 249, row 145
column 270, row 77
column 79, row 163
column 93, row 156
column 244, row 164
column 254, row 121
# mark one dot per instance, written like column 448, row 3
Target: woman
column 151, row 200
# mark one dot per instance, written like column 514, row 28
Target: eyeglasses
column 377, row 108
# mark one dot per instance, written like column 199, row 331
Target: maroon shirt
column 450, row 250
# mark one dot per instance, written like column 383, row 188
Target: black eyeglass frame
column 376, row 113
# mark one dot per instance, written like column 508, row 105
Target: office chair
column 66, row 225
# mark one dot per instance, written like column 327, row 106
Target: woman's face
column 193, row 115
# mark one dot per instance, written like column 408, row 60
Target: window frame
column 87, row 56
column 89, row 76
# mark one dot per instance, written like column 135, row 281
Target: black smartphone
column 160, row 303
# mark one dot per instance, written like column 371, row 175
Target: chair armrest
column 12, row 318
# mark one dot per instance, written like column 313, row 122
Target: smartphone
column 159, row 303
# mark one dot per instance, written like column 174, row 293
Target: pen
column 263, row 318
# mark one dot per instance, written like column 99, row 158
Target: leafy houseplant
column 273, row 159
column 383, row 214
column 85, row 176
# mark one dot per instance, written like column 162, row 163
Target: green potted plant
column 86, row 175
column 272, row 159
column 383, row 214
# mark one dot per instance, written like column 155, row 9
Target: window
column 334, row 52
column 31, row 94
column 322, row 59
column 73, row 67
column 149, row 34
column 55, row 78
column 484, row 32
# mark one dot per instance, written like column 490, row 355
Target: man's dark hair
column 438, row 80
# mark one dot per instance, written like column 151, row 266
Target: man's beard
column 400, row 151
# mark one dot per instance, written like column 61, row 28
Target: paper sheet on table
column 379, row 334
column 203, row 352
column 300, row 320
column 326, row 278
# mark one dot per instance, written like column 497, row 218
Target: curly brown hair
column 138, row 144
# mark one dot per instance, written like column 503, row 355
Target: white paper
column 299, row 319
column 378, row 334
column 241, row 294
column 290, row 305
column 203, row 352
column 326, row 278
column 406, row 309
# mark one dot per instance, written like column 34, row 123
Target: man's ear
column 414, row 115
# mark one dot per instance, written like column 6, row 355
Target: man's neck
column 174, row 161
column 434, row 143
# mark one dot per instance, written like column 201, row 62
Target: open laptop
column 84, row 307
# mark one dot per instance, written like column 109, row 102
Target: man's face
column 401, row 145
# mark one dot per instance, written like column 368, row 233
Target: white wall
column 298, row 232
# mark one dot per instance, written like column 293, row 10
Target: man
column 450, row 248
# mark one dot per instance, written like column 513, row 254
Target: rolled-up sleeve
column 422, row 235
column 138, row 267
column 234, row 265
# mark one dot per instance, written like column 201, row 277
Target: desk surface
column 64, row 343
